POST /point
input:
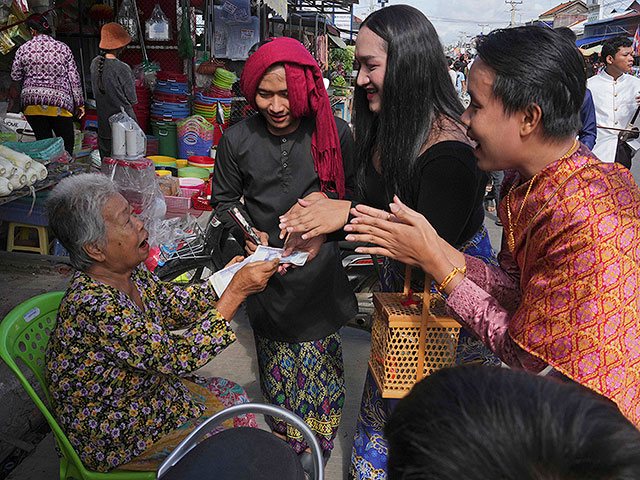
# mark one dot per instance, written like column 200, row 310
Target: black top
column 119, row 91
column 272, row 172
column 448, row 190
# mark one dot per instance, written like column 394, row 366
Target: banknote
column 269, row 253
column 221, row 279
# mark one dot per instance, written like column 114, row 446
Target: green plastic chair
column 24, row 334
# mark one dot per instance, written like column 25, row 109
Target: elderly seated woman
column 119, row 377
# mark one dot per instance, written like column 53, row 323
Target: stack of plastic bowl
column 202, row 162
column 207, row 107
column 223, row 80
column 162, row 161
column 193, row 172
column 170, row 97
column 141, row 109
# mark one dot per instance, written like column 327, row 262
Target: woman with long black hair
column 409, row 142
column 112, row 82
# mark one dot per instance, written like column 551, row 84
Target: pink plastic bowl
column 189, row 186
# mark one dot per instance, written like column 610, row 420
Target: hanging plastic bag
column 158, row 27
column 185, row 44
column 127, row 18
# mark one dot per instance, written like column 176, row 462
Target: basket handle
column 424, row 317
column 426, row 311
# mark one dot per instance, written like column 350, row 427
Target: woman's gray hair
column 75, row 214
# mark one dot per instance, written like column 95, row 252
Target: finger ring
column 388, row 217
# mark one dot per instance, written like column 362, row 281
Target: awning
column 590, row 51
column 278, row 6
column 587, row 41
column 338, row 41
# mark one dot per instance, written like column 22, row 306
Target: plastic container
column 162, row 160
column 189, row 185
column 167, row 137
column 181, row 162
column 193, row 172
column 162, row 173
column 202, row 162
column 199, row 160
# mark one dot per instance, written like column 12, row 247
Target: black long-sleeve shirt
column 448, row 189
column 271, row 172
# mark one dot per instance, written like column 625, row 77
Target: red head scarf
column 307, row 98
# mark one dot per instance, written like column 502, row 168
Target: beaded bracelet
column 440, row 288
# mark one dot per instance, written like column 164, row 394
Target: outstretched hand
column 404, row 235
column 314, row 215
column 295, row 243
column 253, row 277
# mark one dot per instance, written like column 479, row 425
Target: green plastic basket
column 47, row 149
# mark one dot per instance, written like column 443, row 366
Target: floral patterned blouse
column 114, row 371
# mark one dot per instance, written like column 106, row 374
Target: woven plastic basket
column 191, row 144
column 43, row 150
column 409, row 341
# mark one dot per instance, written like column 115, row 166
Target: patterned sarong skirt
column 308, row 379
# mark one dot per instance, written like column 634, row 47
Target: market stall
column 186, row 57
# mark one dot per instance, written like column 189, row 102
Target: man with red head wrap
column 294, row 148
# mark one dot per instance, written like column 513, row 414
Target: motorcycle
column 210, row 250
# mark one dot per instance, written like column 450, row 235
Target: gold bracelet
column 449, row 277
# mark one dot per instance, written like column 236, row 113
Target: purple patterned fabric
column 49, row 74
column 115, row 372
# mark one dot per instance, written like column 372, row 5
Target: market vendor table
column 51, row 180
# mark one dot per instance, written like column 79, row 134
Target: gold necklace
column 511, row 242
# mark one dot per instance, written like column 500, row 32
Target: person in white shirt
column 452, row 72
column 615, row 97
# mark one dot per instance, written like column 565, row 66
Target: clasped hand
column 314, row 215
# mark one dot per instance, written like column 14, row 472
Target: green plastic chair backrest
column 24, row 334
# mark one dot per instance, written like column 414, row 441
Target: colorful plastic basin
column 194, row 172
column 181, row 162
column 202, row 162
column 163, row 160
column 198, row 159
column 162, row 173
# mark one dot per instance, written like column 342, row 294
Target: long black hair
column 101, row 60
column 417, row 89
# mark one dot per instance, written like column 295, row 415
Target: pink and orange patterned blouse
column 49, row 74
column 568, row 295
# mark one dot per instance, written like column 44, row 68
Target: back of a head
column 38, row 23
column 532, row 66
column 612, row 45
column 486, row 423
column 567, row 33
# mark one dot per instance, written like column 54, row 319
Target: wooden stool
column 43, row 239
